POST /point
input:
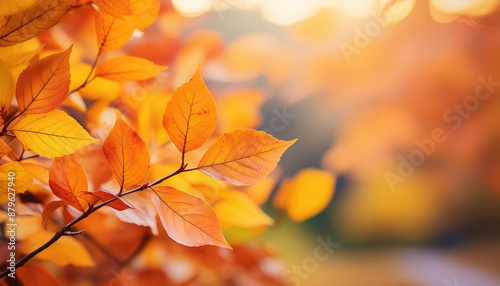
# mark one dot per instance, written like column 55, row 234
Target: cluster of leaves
column 240, row 157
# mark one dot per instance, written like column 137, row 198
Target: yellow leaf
column 69, row 182
column 261, row 191
column 38, row 172
column 307, row 194
column 127, row 155
column 243, row 157
column 240, row 110
column 190, row 116
column 187, row 219
column 146, row 12
column 18, row 57
column 116, row 8
column 4, row 149
column 128, row 69
column 148, row 125
column 6, row 87
column 235, row 209
column 31, row 22
column 43, row 86
column 113, row 33
column 9, row 7
column 52, row 134
column 21, row 177
column 65, row 251
column 98, row 88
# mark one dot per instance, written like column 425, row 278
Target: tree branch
column 67, row 228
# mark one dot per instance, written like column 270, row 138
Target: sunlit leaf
column 63, row 252
column 4, row 149
column 243, row 157
column 48, row 210
column 127, row 154
column 146, row 12
column 235, row 209
column 113, row 33
column 6, row 87
column 9, row 7
column 31, row 22
column 118, row 204
column 116, row 8
column 36, row 275
column 187, row 219
column 307, row 194
column 43, row 86
column 69, row 182
column 22, row 179
column 52, row 134
column 190, row 116
column 128, row 69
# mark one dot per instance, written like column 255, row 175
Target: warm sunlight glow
column 285, row 12
column 192, row 8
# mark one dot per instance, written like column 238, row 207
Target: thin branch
column 88, row 80
column 91, row 210
column 28, row 157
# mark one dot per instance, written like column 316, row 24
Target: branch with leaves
column 33, row 120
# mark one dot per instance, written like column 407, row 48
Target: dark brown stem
column 67, row 228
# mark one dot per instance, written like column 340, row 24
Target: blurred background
column 400, row 99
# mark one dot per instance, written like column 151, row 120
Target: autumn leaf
column 69, row 182
column 6, row 88
column 187, row 219
column 190, row 116
column 36, row 275
column 127, row 154
column 8, row 7
column 113, row 33
column 52, row 134
column 118, row 204
column 63, row 252
column 146, row 12
column 44, row 85
column 4, row 149
column 235, row 209
column 31, row 22
column 116, row 8
column 306, row 195
column 22, row 179
column 48, row 210
column 243, row 157
column 128, row 69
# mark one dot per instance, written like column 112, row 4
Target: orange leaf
column 187, row 219
column 190, row 116
column 113, row 33
column 128, row 69
column 69, row 182
column 116, row 8
column 127, row 154
column 4, row 149
column 35, row 275
column 31, row 22
column 43, row 86
column 49, row 210
column 117, row 204
column 243, row 157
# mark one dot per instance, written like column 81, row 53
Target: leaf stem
column 67, row 228
column 88, row 80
